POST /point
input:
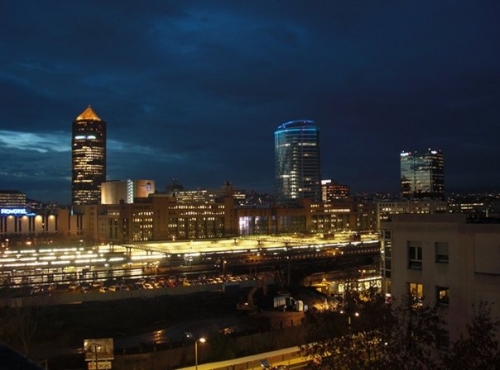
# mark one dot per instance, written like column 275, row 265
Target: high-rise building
column 297, row 161
column 88, row 158
column 422, row 174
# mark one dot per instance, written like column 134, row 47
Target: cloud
column 39, row 142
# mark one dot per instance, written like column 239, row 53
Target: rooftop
column 88, row 114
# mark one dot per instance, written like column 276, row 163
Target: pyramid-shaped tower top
column 88, row 114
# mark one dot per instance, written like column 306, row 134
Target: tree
column 222, row 347
column 479, row 349
column 414, row 340
column 371, row 334
column 352, row 338
column 21, row 326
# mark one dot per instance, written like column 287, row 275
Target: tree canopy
column 369, row 333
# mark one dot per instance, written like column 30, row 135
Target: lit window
column 416, row 294
column 442, row 297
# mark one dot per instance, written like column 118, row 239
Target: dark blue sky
column 195, row 89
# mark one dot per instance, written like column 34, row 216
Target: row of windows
column 415, row 254
column 416, row 293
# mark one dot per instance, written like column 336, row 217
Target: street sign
column 101, row 365
column 98, row 349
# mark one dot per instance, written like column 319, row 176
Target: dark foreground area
column 59, row 331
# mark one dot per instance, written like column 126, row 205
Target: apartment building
column 446, row 260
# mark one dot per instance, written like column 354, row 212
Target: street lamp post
column 201, row 340
column 95, row 348
column 349, row 319
column 95, row 355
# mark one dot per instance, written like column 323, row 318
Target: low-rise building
column 185, row 215
column 446, row 260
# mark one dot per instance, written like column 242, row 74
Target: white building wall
column 472, row 273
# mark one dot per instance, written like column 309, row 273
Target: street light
column 201, row 340
column 349, row 316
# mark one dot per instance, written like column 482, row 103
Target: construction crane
column 249, row 305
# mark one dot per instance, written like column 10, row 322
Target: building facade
column 88, row 149
column 125, row 191
column 443, row 260
column 422, row 174
column 297, row 161
column 332, row 190
column 163, row 217
column 389, row 207
column 12, row 198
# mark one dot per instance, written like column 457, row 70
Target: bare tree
column 21, row 324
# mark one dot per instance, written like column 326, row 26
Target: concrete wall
column 72, row 298
column 184, row 356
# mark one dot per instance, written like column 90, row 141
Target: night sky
column 194, row 90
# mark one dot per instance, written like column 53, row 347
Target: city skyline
column 195, row 90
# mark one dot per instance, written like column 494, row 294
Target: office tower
column 422, row 174
column 297, row 161
column 88, row 158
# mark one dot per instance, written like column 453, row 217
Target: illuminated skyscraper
column 422, row 174
column 297, row 161
column 88, row 158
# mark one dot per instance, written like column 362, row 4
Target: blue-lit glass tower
column 297, row 161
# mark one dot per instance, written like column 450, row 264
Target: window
column 441, row 252
column 416, row 294
column 442, row 297
column 415, row 255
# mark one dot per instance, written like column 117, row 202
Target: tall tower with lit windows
column 297, row 161
column 422, row 174
column 88, row 158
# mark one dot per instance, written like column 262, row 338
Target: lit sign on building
column 13, row 211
